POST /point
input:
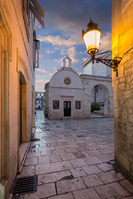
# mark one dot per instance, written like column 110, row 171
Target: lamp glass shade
column 92, row 40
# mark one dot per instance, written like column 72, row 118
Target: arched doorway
column 100, row 100
column 23, row 108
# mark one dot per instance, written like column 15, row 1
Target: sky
column 62, row 34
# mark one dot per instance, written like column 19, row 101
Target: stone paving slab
column 31, row 161
column 110, row 176
column 53, row 167
column 78, row 163
column 92, row 181
column 111, row 191
column 53, row 177
column 70, row 185
column 63, row 196
column 55, row 158
column 74, row 159
column 127, row 185
column 68, row 156
column 78, row 172
column 92, row 160
column 27, row 171
column 92, row 169
column 106, row 166
column 43, row 160
column 89, row 193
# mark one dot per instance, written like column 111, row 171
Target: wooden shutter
column 37, row 10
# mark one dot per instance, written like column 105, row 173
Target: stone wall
column 17, row 82
column 122, row 45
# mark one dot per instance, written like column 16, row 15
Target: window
column 77, row 104
column 55, row 104
column 67, row 81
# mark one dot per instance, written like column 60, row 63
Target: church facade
column 69, row 95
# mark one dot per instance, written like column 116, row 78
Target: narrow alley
column 74, row 159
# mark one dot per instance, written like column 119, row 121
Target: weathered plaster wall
column 18, row 53
column 73, row 92
column 122, row 45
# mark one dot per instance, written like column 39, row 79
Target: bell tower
column 64, row 61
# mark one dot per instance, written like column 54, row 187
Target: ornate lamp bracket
column 112, row 63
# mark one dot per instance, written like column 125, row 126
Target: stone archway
column 100, row 95
column 23, row 134
column 90, row 82
column 23, row 108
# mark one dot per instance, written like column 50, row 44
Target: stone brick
column 78, row 163
column 52, row 167
column 86, row 194
column 92, row 169
column 70, row 185
column 110, row 176
column 63, row 196
column 127, row 185
column 114, row 190
column 52, row 177
column 78, row 172
column 92, row 181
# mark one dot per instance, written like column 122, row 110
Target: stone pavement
column 74, row 159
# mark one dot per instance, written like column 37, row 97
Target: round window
column 67, row 81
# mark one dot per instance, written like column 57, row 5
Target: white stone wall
column 97, row 69
column 79, row 90
column 61, row 92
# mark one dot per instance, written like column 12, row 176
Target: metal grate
column 25, row 185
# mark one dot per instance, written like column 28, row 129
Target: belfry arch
column 64, row 61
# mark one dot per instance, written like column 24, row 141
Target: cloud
column 67, row 40
column 49, row 51
column 42, row 70
column 47, row 73
column 57, row 40
column 105, row 42
column 71, row 53
column 63, row 51
column 41, row 81
column 73, row 15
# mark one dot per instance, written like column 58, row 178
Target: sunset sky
column 62, row 35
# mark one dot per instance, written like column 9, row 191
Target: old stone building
column 69, row 95
column 19, row 57
column 122, row 46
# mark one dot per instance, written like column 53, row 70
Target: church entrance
column 67, row 108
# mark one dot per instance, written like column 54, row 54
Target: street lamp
column 91, row 38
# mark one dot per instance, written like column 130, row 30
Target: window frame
column 77, row 105
column 56, row 104
column 67, row 81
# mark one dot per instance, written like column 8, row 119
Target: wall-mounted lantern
column 91, row 38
